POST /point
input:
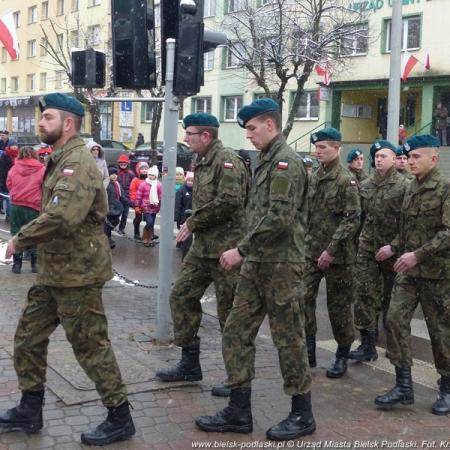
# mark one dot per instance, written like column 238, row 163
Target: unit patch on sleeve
column 283, row 165
column 228, row 165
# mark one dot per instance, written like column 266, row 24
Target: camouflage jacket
column 275, row 211
column 425, row 226
column 360, row 176
column 381, row 204
column 219, row 196
column 72, row 246
column 407, row 174
column 333, row 214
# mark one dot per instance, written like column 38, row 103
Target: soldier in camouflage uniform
column 422, row 250
column 74, row 264
column 355, row 161
column 401, row 163
column 218, row 201
column 381, row 199
column 332, row 225
column 270, row 281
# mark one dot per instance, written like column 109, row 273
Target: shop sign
column 16, row 101
column 375, row 5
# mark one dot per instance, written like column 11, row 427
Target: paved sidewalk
column 164, row 415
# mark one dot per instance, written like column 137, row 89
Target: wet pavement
column 164, row 413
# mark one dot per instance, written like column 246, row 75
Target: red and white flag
column 8, row 35
column 409, row 62
column 427, row 64
column 325, row 73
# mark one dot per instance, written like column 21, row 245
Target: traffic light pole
column 171, row 106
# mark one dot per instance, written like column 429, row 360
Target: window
column 44, row 11
column 3, row 85
column 208, row 60
column 236, row 5
column 3, row 55
column 355, row 40
column 234, row 55
column 31, row 49
column 94, row 2
column 31, row 82
column 202, row 104
column 231, row 107
column 309, row 107
column 272, row 95
column 411, row 28
column 58, row 78
column 60, row 7
column 14, row 84
column 209, row 8
column 148, row 110
column 32, row 14
column 74, row 38
column 44, row 46
column 60, row 40
column 16, row 18
column 75, row 5
column 43, row 81
column 93, row 35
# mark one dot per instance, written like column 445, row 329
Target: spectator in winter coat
column 6, row 162
column 99, row 155
column 141, row 175
column 124, row 177
column 24, row 183
column 115, row 204
column 183, row 209
column 149, row 202
column 179, row 178
column 140, row 140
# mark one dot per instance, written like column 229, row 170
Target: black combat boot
column 33, row 261
column 17, row 263
column 26, row 416
column 187, row 369
column 339, row 365
column 236, row 417
column 311, row 346
column 300, row 421
column 367, row 350
column 402, row 392
column 220, row 390
column 117, row 426
column 441, row 407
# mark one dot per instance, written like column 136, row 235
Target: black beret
column 353, row 154
column 326, row 134
column 420, row 141
column 379, row 144
column 200, row 119
column 112, row 170
column 62, row 102
column 256, row 108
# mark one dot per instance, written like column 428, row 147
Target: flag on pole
column 427, row 64
column 325, row 73
column 8, row 35
column 409, row 62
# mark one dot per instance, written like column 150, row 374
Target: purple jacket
column 143, row 201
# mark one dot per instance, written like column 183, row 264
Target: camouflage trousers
column 195, row 277
column 434, row 298
column 373, row 282
column 274, row 289
column 339, row 300
column 80, row 311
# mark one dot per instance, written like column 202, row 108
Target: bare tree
column 279, row 42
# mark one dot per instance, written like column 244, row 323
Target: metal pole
column 395, row 72
column 168, row 198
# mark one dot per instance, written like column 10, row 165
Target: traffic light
column 133, row 44
column 88, row 68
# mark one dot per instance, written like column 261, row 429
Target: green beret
column 420, row 141
column 326, row 134
column 200, row 119
column 379, row 144
column 353, row 154
column 256, row 108
column 62, row 102
column 399, row 151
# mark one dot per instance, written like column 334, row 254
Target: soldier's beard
column 50, row 137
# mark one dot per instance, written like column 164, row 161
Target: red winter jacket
column 24, row 183
column 143, row 201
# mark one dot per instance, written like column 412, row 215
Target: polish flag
column 8, row 35
column 427, row 64
column 408, row 66
column 325, row 73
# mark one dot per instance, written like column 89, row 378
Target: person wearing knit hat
column 141, row 174
column 355, row 161
column 382, row 196
column 115, row 204
column 148, row 200
column 98, row 154
column 421, row 254
column 183, row 209
column 179, row 178
column 217, row 223
column 124, row 177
